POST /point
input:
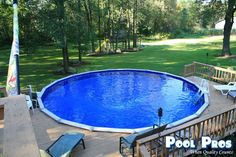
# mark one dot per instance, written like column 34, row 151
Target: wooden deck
column 19, row 138
column 100, row 144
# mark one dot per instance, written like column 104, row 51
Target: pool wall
column 106, row 129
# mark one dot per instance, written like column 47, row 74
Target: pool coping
column 120, row 130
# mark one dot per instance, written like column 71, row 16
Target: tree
column 128, row 24
column 99, row 27
column 79, row 33
column 135, row 12
column 53, row 21
column 89, row 15
column 212, row 10
column 229, row 20
column 62, row 34
column 5, row 20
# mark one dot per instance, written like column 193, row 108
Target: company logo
column 205, row 142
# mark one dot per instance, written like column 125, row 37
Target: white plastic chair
column 224, row 89
column 29, row 99
column 205, row 86
column 29, row 103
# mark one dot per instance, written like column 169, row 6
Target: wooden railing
column 215, row 126
column 210, row 72
column 19, row 137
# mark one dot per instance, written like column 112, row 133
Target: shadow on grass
column 37, row 69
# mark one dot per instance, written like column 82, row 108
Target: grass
column 37, row 68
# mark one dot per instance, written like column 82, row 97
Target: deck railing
column 19, row 137
column 210, row 72
column 215, row 126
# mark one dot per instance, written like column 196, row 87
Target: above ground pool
column 122, row 100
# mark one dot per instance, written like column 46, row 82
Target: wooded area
column 109, row 26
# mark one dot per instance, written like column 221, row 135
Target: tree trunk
column 135, row 24
column 79, row 50
column 229, row 20
column 116, row 41
column 112, row 26
column 65, row 56
column 128, row 34
column 79, row 31
column 117, row 31
column 226, row 40
column 62, row 36
column 109, row 20
column 99, row 28
column 91, row 25
column 88, row 10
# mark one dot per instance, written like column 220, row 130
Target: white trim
column 181, row 121
column 41, row 106
column 121, row 130
column 87, row 127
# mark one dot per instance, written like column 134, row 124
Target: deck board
column 19, row 138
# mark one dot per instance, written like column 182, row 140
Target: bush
column 208, row 32
column 178, row 33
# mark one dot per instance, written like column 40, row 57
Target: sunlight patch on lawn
column 169, row 63
column 37, row 68
column 205, row 40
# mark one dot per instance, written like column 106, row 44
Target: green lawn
column 37, row 69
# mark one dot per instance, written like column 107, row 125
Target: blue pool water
column 126, row 99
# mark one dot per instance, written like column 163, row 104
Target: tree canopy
column 89, row 23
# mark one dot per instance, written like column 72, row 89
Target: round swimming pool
column 124, row 100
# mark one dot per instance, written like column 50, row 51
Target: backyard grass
column 169, row 56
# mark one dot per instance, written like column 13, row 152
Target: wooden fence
column 210, row 72
column 216, row 126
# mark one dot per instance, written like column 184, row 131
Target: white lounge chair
column 224, row 89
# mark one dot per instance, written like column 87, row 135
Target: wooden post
column 194, row 67
column 203, row 127
column 198, row 132
column 225, row 115
column 138, row 149
column 163, row 151
column 1, row 111
column 3, row 90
